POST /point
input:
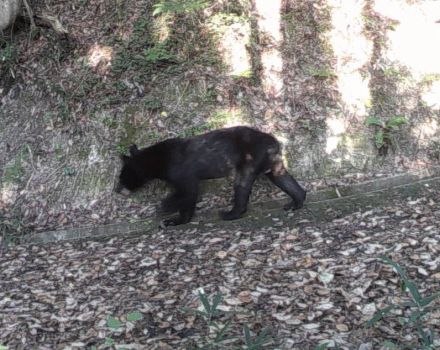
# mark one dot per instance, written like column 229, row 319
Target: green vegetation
column 69, row 171
column 414, row 313
column 115, row 325
column 395, row 73
column 434, row 150
column 142, row 51
column 178, row 6
column 152, row 104
column 158, row 45
column 384, row 136
column 11, row 229
column 122, row 149
column 218, row 120
column 8, row 60
column 322, row 72
column 14, row 171
column 216, row 334
column 428, row 79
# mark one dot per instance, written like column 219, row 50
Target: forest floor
column 308, row 281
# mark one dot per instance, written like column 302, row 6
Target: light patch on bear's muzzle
column 122, row 190
column 125, row 192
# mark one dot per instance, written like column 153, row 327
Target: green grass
column 178, row 6
column 9, row 54
column 321, row 72
column 142, row 51
column 217, row 120
column 14, row 172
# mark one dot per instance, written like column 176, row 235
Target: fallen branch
column 51, row 22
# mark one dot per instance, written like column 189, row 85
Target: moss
column 14, row 171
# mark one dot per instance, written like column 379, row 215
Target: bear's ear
column 133, row 149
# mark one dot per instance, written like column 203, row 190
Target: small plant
column 217, row 337
column 322, row 72
column 110, row 123
column 122, row 149
column 14, row 172
column 384, row 136
column 64, row 112
column 305, row 124
column 8, row 60
column 115, row 325
column 414, row 310
column 13, row 228
column 258, row 341
column 69, row 171
column 152, row 104
column 2, row 347
column 158, row 53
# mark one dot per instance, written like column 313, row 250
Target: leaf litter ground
column 308, row 282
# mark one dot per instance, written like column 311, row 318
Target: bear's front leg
column 242, row 191
column 185, row 198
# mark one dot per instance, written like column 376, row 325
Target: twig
column 30, row 14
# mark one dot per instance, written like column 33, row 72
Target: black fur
column 183, row 162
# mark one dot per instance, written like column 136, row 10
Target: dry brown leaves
column 309, row 283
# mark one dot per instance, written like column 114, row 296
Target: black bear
column 183, row 162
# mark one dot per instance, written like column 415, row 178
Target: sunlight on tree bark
column 233, row 39
column 414, row 44
column 100, row 57
column 414, row 41
column 352, row 51
column 268, row 19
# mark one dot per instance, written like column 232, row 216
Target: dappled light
column 232, row 40
column 100, row 95
column 424, row 131
column 268, row 19
column 413, row 41
column 162, row 28
column 311, row 72
column 336, row 127
column 8, row 194
column 432, row 94
column 352, row 50
column 235, row 117
column 100, row 57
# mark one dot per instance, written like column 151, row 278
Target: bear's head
column 131, row 176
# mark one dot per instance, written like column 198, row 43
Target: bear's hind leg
column 171, row 204
column 282, row 179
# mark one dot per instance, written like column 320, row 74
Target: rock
column 9, row 10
